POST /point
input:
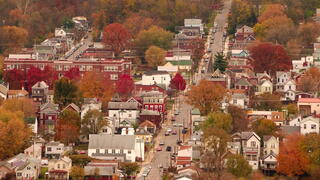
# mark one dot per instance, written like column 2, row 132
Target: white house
column 265, row 86
column 59, row 168
column 90, row 104
column 302, row 64
column 119, row 112
column 26, row 167
column 295, row 121
column 54, row 150
column 126, row 148
column 248, row 144
column 282, row 78
column 34, row 150
column 309, row 125
column 194, row 23
column 271, row 145
column 59, row 32
column 290, row 90
column 156, row 77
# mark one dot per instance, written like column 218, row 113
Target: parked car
column 179, row 142
column 167, row 134
column 168, row 148
column 174, row 132
column 159, row 148
column 161, row 143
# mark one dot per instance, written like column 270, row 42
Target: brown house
column 6, row 171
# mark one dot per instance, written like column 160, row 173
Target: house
column 184, row 157
column 60, row 32
column 4, row 88
column 72, row 107
column 195, row 119
column 248, row 143
column 161, row 78
column 149, row 115
column 235, row 53
column 289, row 90
column 217, row 77
column 59, row 168
column 141, row 89
column 270, row 145
column 125, row 148
column 264, row 86
column 39, row 92
column 282, row 77
column 6, row 170
column 108, row 169
column 35, row 151
column 270, row 153
column 309, row 124
column 243, row 83
column 33, row 124
column 54, row 150
column 194, row 23
column 149, row 126
column 48, row 115
column 90, row 104
column 239, row 99
column 120, row 112
column 154, row 101
column 26, row 167
column 144, row 134
column 278, row 117
column 303, row 64
column 244, row 33
column 295, row 121
column 50, row 96
column 174, row 66
column 308, row 106
column 16, row 94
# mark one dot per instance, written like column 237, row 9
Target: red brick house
column 48, row 115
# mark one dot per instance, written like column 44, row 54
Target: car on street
column 169, row 148
column 175, row 124
column 161, row 143
column 167, row 134
column 179, row 142
column 174, row 132
column 159, row 148
column 184, row 131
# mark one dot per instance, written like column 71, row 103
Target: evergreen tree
column 220, row 62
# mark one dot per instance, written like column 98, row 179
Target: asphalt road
column 215, row 40
column 80, row 47
column 163, row 157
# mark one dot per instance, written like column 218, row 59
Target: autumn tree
column 66, row 92
column 218, row 120
column 129, row 169
column 178, row 83
column 14, row 133
column 310, row 82
column 291, row 160
column 99, row 20
column 239, row 118
column 197, row 47
column 238, row 166
column 15, row 78
column 220, row 62
column 34, row 75
column 292, row 109
column 269, row 57
column 12, row 38
column 92, row 122
column 77, row 172
column 308, row 33
column 125, row 85
column 73, row 74
column 264, row 127
column 271, row 11
column 68, row 127
column 116, row 37
column 310, row 145
column 49, row 76
column 131, row 23
column 154, row 36
column 96, row 85
column 216, row 145
column 25, row 105
column 206, row 96
column 155, row 56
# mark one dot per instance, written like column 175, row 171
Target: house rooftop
column 40, row 84
column 309, row 100
column 195, row 111
column 123, row 105
column 111, row 141
column 151, row 73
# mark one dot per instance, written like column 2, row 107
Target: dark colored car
column 168, row 148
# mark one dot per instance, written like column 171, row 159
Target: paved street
column 79, row 48
column 163, row 157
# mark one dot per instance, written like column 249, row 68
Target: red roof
column 183, row 158
column 184, row 147
column 183, row 162
column 309, row 100
column 58, row 171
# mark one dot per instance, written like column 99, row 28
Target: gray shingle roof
column 123, row 105
column 150, row 73
column 243, row 82
column 111, row 141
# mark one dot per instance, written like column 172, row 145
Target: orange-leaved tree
column 292, row 161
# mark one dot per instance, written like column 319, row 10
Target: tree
column 99, row 20
column 271, row 11
column 219, row 120
column 310, row 145
column 77, row 172
column 178, row 83
column 68, row 126
column 291, row 160
column 155, row 56
column 197, row 47
column 25, row 105
column 131, row 23
column 96, row 85
column 12, row 38
column 264, row 127
column 154, row 36
column 92, row 122
column 206, row 96
column 116, row 37
column 292, row 109
column 267, row 101
column 220, row 62
column 238, row 166
column 66, row 92
column 15, row 78
column 310, row 82
column 14, row 134
column 125, row 85
column 129, row 169
column 34, row 75
column 73, row 74
column 239, row 118
column 308, row 33
column 216, row 145
column 269, row 57
column 49, row 76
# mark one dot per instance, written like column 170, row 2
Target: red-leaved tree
column 269, row 57
column 125, row 85
column 73, row 74
column 34, row 75
column 292, row 161
column 178, row 83
column 49, row 75
column 116, row 37
column 15, row 78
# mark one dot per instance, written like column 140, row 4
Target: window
column 28, row 168
column 121, row 151
column 313, row 126
column 97, row 150
column 19, row 174
column 63, row 166
column 129, row 151
column 113, row 151
column 129, row 115
column 304, row 126
column 58, row 166
column 273, row 146
column 58, row 149
column 49, row 149
column 114, row 76
column 253, row 144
